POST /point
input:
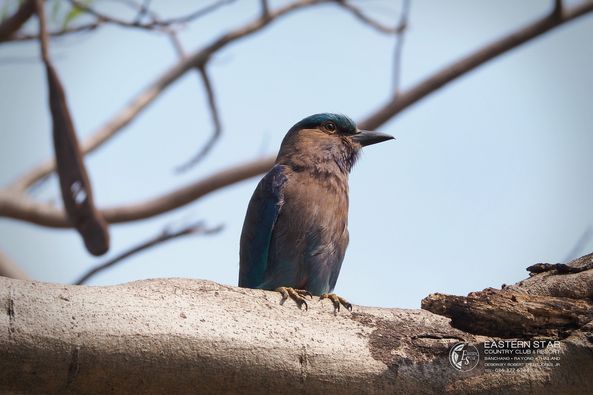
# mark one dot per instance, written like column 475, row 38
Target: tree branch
column 215, row 120
column 399, row 45
column 162, row 237
column 143, row 10
column 147, row 96
column 358, row 13
column 14, row 205
column 75, row 185
column 12, row 24
column 199, row 13
column 184, row 335
column 548, row 304
column 265, row 8
column 58, row 33
column 18, row 206
column 112, row 19
column 449, row 73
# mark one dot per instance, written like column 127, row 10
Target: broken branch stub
column 74, row 182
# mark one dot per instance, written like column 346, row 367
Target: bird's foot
column 298, row 295
column 337, row 301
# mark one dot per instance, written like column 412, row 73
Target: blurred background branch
column 17, row 206
column 165, row 235
column 215, row 120
column 75, row 185
column 12, row 24
column 19, row 201
column 141, row 101
column 402, row 25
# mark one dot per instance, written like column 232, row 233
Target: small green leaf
column 74, row 13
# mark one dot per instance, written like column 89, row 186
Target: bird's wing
column 262, row 212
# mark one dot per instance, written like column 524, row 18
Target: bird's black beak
column 366, row 137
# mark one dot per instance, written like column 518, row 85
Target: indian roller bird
column 295, row 232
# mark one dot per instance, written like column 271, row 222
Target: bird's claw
column 298, row 295
column 337, row 301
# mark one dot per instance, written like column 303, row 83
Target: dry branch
column 197, row 336
column 17, row 206
column 75, row 185
column 399, row 45
column 453, row 71
column 505, row 313
column 154, row 90
column 154, row 23
column 163, row 237
column 58, row 33
column 360, row 15
column 12, row 24
column 550, row 303
column 214, row 113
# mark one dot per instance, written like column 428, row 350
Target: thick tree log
column 551, row 303
column 506, row 313
column 181, row 335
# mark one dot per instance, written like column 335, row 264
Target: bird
column 295, row 232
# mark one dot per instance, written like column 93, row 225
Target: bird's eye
column 330, row 127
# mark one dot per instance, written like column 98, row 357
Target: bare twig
column 43, row 37
column 177, row 45
column 201, row 69
column 399, row 44
column 449, row 73
column 154, row 24
column 147, row 96
column 12, row 24
column 112, row 19
column 142, row 11
column 215, row 120
column 59, row 33
column 197, row 14
column 162, row 237
column 358, row 13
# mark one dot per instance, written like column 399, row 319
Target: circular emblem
column 464, row 357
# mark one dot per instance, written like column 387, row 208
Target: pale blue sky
column 487, row 176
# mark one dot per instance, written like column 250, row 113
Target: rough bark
column 181, row 335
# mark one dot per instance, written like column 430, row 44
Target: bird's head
column 326, row 139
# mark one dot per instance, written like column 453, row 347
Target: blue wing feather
column 262, row 213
